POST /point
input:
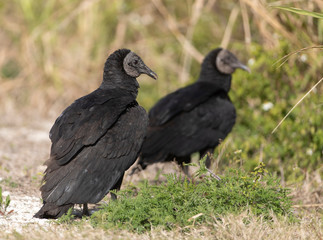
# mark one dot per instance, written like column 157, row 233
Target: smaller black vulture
column 96, row 139
column 194, row 118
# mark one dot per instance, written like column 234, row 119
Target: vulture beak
column 149, row 72
column 241, row 66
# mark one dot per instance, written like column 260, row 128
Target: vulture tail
column 50, row 210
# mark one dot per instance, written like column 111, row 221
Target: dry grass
column 239, row 227
column 59, row 49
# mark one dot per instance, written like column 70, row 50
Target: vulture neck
column 114, row 76
column 209, row 73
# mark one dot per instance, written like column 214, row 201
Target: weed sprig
column 4, row 204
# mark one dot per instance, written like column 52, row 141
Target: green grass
column 202, row 200
column 9, row 182
column 296, row 146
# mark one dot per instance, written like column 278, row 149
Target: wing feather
column 182, row 100
column 97, row 168
column 191, row 131
column 85, row 122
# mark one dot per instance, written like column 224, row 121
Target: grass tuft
column 66, row 218
column 182, row 202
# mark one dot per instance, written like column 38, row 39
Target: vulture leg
column 207, row 152
column 85, row 210
column 181, row 161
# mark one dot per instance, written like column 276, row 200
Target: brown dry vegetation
column 53, row 51
column 231, row 227
column 56, row 51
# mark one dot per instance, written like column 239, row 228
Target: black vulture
column 194, row 118
column 96, row 139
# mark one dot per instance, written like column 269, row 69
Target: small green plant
column 202, row 200
column 259, row 171
column 66, row 218
column 4, row 204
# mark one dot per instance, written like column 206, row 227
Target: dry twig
column 320, row 205
column 172, row 25
column 229, row 28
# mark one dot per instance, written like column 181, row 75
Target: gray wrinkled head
column 227, row 63
column 134, row 66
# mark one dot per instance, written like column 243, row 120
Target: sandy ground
column 23, row 209
column 24, row 146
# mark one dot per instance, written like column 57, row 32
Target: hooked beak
column 152, row 74
column 149, row 72
column 241, row 66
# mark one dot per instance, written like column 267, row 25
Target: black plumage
column 96, row 139
column 194, row 118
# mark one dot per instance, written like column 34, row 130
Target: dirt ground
column 24, row 146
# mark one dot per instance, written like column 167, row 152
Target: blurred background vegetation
column 53, row 51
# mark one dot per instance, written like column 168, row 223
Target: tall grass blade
column 285, row 58
column 301, row 11
column 296, row 105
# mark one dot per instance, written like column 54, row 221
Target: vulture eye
column 135, row 62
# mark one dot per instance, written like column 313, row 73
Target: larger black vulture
column 194, row 118
column 96, row 139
